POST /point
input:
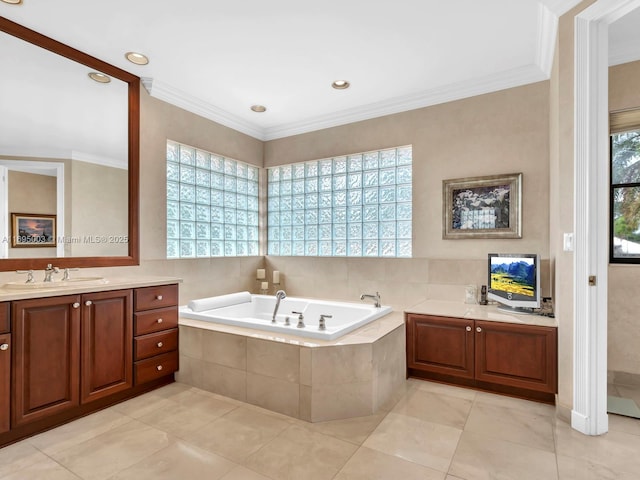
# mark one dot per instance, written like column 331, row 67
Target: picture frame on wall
column 482, row 207
column 33, row 230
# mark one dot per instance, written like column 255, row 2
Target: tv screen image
column 514, row 281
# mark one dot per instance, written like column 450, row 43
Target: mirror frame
column 133, row 82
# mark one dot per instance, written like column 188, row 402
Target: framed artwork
column 31, row 230
column 482, row 207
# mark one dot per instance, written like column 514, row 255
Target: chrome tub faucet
column 375, row 297
column 280, row 294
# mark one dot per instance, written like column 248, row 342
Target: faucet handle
column 300, row 319
column 321, row 322
column 65, row 276
column 29, row 274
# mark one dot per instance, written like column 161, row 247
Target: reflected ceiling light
column 340, row 84
column 99, row 77
column 258, row 108
column 137, row 58
column 12, row 2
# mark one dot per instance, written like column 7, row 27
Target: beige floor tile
column 516, row 403
column 479, row 457
column 78, row 431
column 18, row 456
column 299, row 453
column 436, row 408
column 178, row 460
column 175, row 388
column 427, row 443
column 46, row 469
column 367, row 464
column 242, row 473
column 442, row 388
column 574, row 469
column 615, row 449
column 113, row 451
column 451, row 477
column 142, row 405
column 518, row 426
column 180, row 420
column 620, row 423
column 354, row 430
column 238, row 434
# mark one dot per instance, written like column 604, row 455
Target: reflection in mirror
column 65, row 150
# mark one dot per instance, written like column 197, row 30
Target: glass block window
column 212, row 204
column 354, row 205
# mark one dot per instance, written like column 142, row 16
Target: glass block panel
column 403, row 193
column 229, row 167
column 403, row 175
column 217, row 231
column 298, row 171
column 370, row 160
column 229, row 249
column 286, row 203
column 354, row 164
column 388, row 248
column 311, row 249
column 340, row 199
column 252, row 219
column 355, row 197
column 203, row 231
column 203, row 248
column 230, row 216
column 202, row 195
column 173, row 171
column 388, row 158
column 354, row 214
column 286, row 233
column 370, row 248
column 298, row 233
column 217, row 198
column 355, row 180
column 371, row 196
column 273, row 248
column 217, row 180
column 242, row 186
column 173, row 211
column 387, row 230
column 187, row 193
column 387, row 212
column 241, row 232
column 217, row 163
column 187, row 248
column 241, row 202
column 252, row 233
column 405, row 156
column 404, row 229
column 217, row 248
column 229, row 232
column 403, row 211
column 311, row 232
column 252, row 204
column 274, row 233
column 354, row 248
column 173, row 248
column 187, row 155
column 297, row 187
column 326, row 167
column 311, row 185
column 187, row 174
column 340, row 182
column 326, row 200
column 340, row 231
column 173, row 152
column 241, row 249
column 371, row 213
column 273, row 203
column 241, row 170
column 339, row 165
column 339, row 248
column 311, row 201
column 387, row 194
column 404, row 249
column 339, row 215
column 387, row 176
column 286, row 217
column 203, row 177
column 252, row 188
column 298, row 217
column 202, row 213
column 311, row 169
column 286, row 172
column 370, row 230
column 326, row 184
column 354, row 231
column 325, row 215
column 298, row 249
column 241, row 217
column 252, row 173
column 273, row 174
column 229, row 183
column 173, row 191
column 172, row 229
column 298, row 202
column 252, row 248
column 203, row 159
column 217, row 214
column 187, row 211
column 324, row 232
column 325, row 248
column 285, row 249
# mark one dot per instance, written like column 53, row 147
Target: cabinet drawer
column 156, row 343
column 155, row 320
column 156, row 367
column 5, row 324
column 148, row 298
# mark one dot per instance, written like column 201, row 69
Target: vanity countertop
column 56, row 290
column 478, row 312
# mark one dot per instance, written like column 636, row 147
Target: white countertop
column 110, row 283
column 478, row 312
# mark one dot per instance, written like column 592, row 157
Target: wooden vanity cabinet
column 503, row 357
column 5, row 368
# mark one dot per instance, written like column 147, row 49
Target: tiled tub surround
column 313, row 380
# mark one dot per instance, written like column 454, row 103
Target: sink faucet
column 375, row 297
column 49, row 271
column 280, row 294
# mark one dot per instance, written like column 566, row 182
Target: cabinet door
column 523, row 356
column 45, row 361
column 107, row 344
column 440, row 345
column 5, row 381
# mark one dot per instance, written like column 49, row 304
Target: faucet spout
column 375, row 298
column 280, row 294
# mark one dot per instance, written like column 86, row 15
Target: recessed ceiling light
column 258, row 108
column 137, row 58
column 99, row 77
column 340, row 84
column 12, row 2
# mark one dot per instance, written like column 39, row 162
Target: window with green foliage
column 625, row 195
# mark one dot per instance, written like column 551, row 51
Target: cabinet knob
column 76, row 305
column 159, row 320
column 88, row 303
column 4, row 346
column 159, row 367
column 478, row 329
column 468, row 328
column 158, row 297
column 160, row 344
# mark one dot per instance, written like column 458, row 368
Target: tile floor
column 433, row 432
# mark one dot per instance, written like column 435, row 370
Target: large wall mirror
column 69, row 156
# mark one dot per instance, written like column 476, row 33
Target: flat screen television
column 514, row 281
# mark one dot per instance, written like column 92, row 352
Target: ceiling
column 218, row 58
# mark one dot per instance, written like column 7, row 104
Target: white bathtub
column 256, row 311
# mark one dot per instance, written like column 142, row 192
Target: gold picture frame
column 482, row 207
column 32, row 230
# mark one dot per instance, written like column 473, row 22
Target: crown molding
column 546, row 45
column 63, row 154
column 559, row 7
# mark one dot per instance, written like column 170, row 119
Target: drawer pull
column 478, row 329
column 158, row 297
column 4, row 346
column 159, row 320
column 88, row 303
column 159, row 368
column 76, row 305
column 160, row 344
column 468, row 328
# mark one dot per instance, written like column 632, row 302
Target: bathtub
column 256, row 311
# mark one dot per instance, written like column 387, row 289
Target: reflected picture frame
column 482, row 207
column 33, row 230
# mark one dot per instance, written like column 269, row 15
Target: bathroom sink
column 70, row 283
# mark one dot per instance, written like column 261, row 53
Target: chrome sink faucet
column 375, row 297
column 50, row 270
column 280, row 294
